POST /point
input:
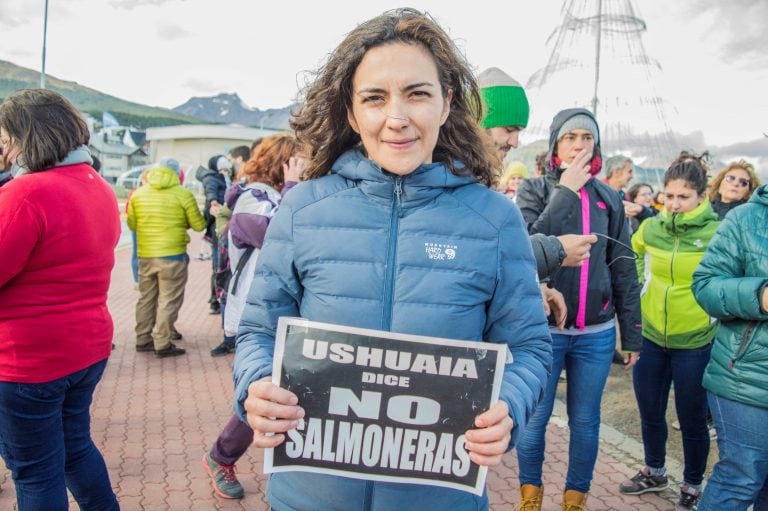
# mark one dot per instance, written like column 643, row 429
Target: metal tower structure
column 598, row 61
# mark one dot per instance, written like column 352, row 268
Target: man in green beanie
column 505, row 108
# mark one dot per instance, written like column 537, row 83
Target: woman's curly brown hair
column 266, row 162
column 321, row 123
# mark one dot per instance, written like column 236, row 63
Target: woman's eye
column 421, row 93
column 372, row 99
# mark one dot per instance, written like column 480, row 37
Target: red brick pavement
column 153, row 420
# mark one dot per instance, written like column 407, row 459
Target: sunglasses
column 738, row 180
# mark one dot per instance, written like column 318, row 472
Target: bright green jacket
column 673, row 245
column 161, row 212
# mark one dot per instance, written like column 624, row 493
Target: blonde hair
column 754, row 181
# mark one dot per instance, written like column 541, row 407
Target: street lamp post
column 45, row 33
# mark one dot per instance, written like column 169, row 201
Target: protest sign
column 383, row 406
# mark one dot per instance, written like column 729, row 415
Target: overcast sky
column 162, row 52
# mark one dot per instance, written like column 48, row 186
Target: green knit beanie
column 504, row 100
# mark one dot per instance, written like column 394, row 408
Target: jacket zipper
column 394, row 223
column 675, row 248
column 743, row 346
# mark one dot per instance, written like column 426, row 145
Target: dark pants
column 652, row 378
column 232, row 443
column 45, row 440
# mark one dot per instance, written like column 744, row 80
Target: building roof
column 214, row 131
column 102, row 147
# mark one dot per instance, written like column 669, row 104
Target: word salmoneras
column 383, row 430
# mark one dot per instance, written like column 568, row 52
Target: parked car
column 130, row 179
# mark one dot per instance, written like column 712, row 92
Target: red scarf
column 594, row 166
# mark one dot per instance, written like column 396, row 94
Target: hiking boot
column 225, row 348
column 689, row 498
column 643, row 482
column 176, row 335
column 223, row 478
column 574, row 501
column 530, row 498
column 171, row 351
column 150, row 346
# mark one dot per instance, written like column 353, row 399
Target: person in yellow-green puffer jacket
column 160, row 213
column 677, row 333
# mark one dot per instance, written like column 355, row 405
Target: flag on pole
column 107, row 120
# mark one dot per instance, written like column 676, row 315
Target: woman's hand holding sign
column 490, row 441
column 271, row 411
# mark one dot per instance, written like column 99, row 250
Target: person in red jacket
column 59, row 225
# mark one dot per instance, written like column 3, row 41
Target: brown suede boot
column 574, row 501
column 530, row 498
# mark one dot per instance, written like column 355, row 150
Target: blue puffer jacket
column 368, row 249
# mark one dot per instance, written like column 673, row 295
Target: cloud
column 170, row 32
column 736, row 21
column 203, row 86
column 132, row 4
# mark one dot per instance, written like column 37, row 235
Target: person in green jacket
column 160, row 213
column 677, row 333
column 731, row 284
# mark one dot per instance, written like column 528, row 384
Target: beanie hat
column 171, row 163
column 579, row 121
column 223, row 163
column 515, row 168
column 503, row 99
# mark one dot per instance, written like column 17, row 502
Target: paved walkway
column 153, row 420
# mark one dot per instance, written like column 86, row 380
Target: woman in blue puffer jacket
column 398, row 166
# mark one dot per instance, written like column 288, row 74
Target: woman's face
column 398, row 106
column 644, row 196
column 735, row 185
column 513, row 184
column 679, row 197
column 571, row 144
column 10, row 149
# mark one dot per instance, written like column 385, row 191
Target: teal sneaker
column 223, row 478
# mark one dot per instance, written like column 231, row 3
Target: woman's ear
column 352, row 121
column 446, row 106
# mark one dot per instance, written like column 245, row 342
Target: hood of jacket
column 760, row 195
column 424, row 183
column 553, row 171
column 80, row 154
column 681, row 222
column 162, row 177
column 203, row 172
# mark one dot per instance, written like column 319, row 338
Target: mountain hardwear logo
column 440, row 251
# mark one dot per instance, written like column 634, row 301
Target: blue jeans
column 45, row 440
column 134, row 258
column 652, row 377
column 740, row 477
column 587, row 361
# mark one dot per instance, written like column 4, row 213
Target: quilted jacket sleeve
column 276, row 291
column 720, row 283
column 516, row 316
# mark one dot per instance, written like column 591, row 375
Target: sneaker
column 223, row 478
column 215, row 309
column 171, row 351
column 689, row 498
column 150, row 346
column 225, row 348
column 642, row 482
column 176, row 335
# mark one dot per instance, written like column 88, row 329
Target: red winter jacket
column 58, row 232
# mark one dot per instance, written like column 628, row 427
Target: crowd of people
column 395, row 143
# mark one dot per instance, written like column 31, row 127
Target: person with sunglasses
column 677, row 333
column 732, row 187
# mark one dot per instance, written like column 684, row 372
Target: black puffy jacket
column 608, row 286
